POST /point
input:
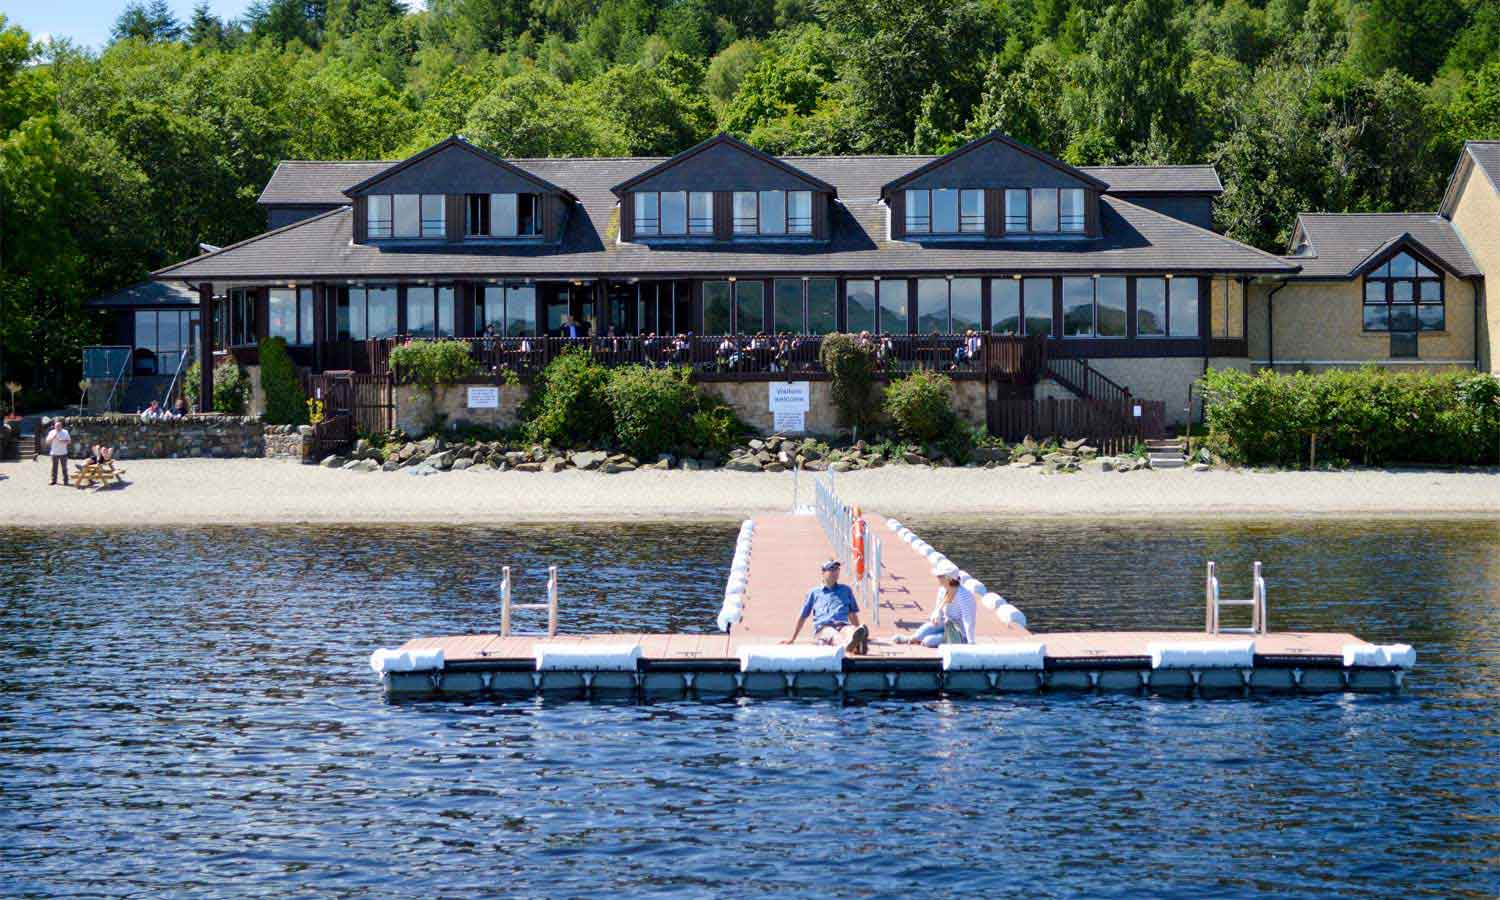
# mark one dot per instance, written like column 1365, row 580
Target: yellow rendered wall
column 1476, row 215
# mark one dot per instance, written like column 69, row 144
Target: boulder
column 1201, row 467
column 422, row 470
column 757, row 444
column 391, row 465
column 332, row 461
column 763, row 457
column 365, row 465
column 1024, row 460
column 362, row 447
column 990, row 454
column 742, row 464
column 554, row 464
column 1107, row 464
column 610, row 468
column 1029, row 444
column 664, row 461
column 528, row 467
column 842, row 465
column 914, row 459
column 815, row 465
column 774, row 467
column 441, row 461
column 690, row 465
column 1073, row 446
column 1088, row 452
column 538, row 454
column 589, row 459
column 873, row 462
column 463, row 462
column 407, row 451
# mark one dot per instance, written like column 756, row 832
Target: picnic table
column 97, row 474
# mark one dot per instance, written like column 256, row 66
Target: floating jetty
column 775, row 562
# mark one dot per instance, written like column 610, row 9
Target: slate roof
column 1134, row 238
column 1159, row 179
column 147, row 293
column 1487, row 156
column 1340, row 243
column 1482, row 155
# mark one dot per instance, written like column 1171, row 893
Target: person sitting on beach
column 835, row 614
column 952, row 619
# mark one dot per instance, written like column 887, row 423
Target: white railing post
column 552, row 601
column 505, row 601
column 1211, row 614
column 1259, row 596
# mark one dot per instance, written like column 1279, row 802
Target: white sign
column 788, row 422
column 1137, row 410
column 790, row 396
column 484, row 398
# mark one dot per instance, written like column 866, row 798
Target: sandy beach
column 254, row 491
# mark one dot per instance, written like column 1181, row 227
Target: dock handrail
column 507, row 605
column 838, row 526
column 1214, row 603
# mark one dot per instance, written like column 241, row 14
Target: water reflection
column 189, row 713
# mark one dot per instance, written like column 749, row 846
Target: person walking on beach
column 835, row 614
column 58, row 440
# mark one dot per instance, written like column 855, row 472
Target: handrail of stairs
column 166, row 400
column 109, row 402
column 1075, row 374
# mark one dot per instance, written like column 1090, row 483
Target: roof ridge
column 250, row 240
column 1112, row 198
column 1333, row 215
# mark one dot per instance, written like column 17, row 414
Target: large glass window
column 971, row 212
column 305, row 316
column 1044, row 209
column 746, row 215
column 1005, row 306
column 1071, row 216
column 507, row 310
column 1150, row 307
column 1078, row 307
column 799, row 212
column 242, row 317
column 965, row 305
column 932, row 305
column 1017, row 215
column 282, row 308
column 1037, row 296
column 429, row 311
column 408, row 214
column 822, row 300
column 945, row 211
column 162, row 339
column 918, row 212
column 434, row 215
column 859, row 306
column 1404, row 294
column 701, row 212
column 1183, row 315
column 787, row 306
column 1110, row 317
column 647, row 214
column 367, row 312
column 749, row 307
column 503, row 215
column 378, row 216
column 773, row 212
column 716, row 316
column 893, row 306
column 674, row 212
column 528, row 214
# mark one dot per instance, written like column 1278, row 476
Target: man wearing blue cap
column 834, row 613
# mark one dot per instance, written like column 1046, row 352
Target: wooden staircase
column 1166, row 453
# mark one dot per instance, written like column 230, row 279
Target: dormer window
column 1045, row 211
column 405, row 216
column 1404, row 295
column 772, row 212
column 503, row 215
column 945, row 211
column 673, row 213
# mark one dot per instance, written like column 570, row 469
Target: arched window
column 1404, row 295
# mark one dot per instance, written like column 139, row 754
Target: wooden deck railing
column 1006, row 358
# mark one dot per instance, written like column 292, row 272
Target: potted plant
column 14, row 388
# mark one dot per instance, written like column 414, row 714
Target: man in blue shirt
column 834, row 613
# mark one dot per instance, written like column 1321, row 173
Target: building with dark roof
column 1116, row 268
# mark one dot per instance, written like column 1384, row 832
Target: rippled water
column 188, row 712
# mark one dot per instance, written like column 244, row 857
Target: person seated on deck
column 952, row 619
column 835, row 614
column 99, row 453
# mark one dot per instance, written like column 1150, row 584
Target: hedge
column 921, row 406
column 285, row 402
column 1367, row 416
column 653, row 408
column 231, row 388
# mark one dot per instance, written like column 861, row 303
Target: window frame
column 970, row 223
column 1384, row 277
column 699, row 225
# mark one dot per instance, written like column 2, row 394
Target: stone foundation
column 415, row 406
column 292, row 442
column 198, row 435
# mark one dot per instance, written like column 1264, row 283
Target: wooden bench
column 91, row 474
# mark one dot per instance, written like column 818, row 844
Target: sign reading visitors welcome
column 484, row 398
column 789, row 403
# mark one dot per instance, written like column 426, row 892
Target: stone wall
column 198, row 435
column 415, row 406
column 292, row 442
column 751, row 400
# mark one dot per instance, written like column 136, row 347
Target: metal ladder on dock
column 507, row 605
column 1216, row 603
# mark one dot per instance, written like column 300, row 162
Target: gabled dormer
column 454, row 192
column 723, row 190
column 993, row 187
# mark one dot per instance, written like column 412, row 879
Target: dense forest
column 116, row 162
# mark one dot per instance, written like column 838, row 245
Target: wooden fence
column 366, row 399
column 1113, row 427
column 335, row 434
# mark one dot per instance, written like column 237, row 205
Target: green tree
column 652, row 115
column 533, row 114
column 150, row 22
column 1411, row 36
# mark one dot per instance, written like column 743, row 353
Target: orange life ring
column 857, row 545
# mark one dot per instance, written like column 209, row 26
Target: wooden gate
column 1113, row 427
column 366, row 399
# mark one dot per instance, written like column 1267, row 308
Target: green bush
column 1367, row 416
column 286, row 404
column 851, row 368
column 432, row 363
column 568, row 405
column 715, row 428
column 231, row 388
column 652, row 408
column 921, row 407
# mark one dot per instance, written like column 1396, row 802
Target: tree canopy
column 118, row 161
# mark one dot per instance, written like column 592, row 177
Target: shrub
column 568, row 405
column 1368, row 416
column 851, row 368
column 715, row 428
column 231, row 388
column 285, row 402
column 921, row 407
column 431, row 363
column 652, row 408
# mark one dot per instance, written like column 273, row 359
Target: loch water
column 188, row 712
